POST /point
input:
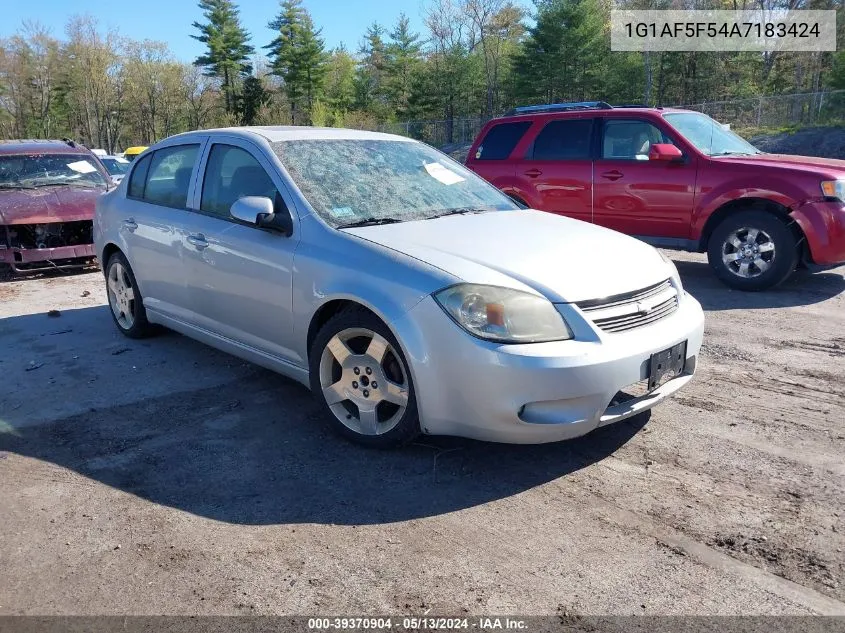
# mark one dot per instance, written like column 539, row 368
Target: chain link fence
column 775, row 112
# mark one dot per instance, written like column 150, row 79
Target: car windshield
column 373, row 181
column 44, row 170
column 709, row 136
column 116, row 166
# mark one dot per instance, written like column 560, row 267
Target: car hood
column 814, row 164
column 47, row 204
column 566, row 260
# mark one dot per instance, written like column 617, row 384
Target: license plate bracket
column 666, row 364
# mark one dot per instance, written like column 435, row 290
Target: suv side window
column 232, row 173
column 564, row 139
column 630, row 139
column 139, row 178
column 169, row 176
column 500, row 140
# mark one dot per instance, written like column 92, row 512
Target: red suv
column 673, row 178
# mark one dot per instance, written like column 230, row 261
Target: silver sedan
column 408, row 293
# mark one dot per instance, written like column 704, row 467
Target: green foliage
column 298, row 57
column 228, row 47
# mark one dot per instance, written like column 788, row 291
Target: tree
column 298, row 57
column 340, row 80
column 403, row 57
column 369, row 87
column 255, row 97
column 228, row 48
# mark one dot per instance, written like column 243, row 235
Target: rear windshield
column 30, row 171
column 346, row 181
column 500, row 140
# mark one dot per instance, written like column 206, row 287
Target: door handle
column 198, row 241
column 130, row 224
column 612, row 175
column 533, row 173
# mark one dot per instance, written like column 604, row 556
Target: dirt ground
column 163, row 477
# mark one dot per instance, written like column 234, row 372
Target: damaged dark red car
column 47, row 195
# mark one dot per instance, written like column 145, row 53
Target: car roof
column 38, row 146
column 614, row 111
column 275, row 133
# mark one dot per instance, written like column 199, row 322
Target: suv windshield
column 116, row 166
column 43, row 170
column 373, row 181
column 708, row 135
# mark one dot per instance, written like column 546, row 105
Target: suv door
column 638, row 196
column 155, row 211
column 240, row 276
column 556, row 172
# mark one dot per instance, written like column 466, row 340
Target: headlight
column 834, row 189
column 676, row 276
column 502, row 314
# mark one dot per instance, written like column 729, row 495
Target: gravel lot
column 160, row 476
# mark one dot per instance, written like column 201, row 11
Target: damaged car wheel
column 127, row 306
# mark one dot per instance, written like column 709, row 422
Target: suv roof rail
column 66, row 141
column 560, row 107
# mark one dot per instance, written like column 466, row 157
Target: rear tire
column 752, row 250
column 360, row 375
column 125, row 301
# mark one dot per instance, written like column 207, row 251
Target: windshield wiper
column 369, row 222
column 457, row 211
column 8, row 185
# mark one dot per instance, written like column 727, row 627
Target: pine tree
column 369, row 79
column 298, row 56
column 403, row 56
column 254, row 97
column 228, row 48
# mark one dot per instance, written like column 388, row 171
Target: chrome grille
column 632, row 310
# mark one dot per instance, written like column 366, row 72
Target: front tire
column 125, row 301
column 360, row 375
column 752, row 250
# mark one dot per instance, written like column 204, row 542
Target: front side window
column 708, row 135
column 32, row 171
column 566, row 139
column 230, row 174
column 348, row 181
column 630, row 139
column 169, row 176
column 500, row 140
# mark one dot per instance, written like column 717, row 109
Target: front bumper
column 542, row 392
column 823, row 223
column 28, row 259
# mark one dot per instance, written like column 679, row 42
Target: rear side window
column 500, row 140
column 139, row 178
column 566, row 139
column 169, row 176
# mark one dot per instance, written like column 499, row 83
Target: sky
column 170, row 20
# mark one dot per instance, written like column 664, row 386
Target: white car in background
column 408, row 293
column 117, row 166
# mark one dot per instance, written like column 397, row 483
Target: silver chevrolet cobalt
column 409, row 294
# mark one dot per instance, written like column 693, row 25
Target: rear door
column 155, row 212
column 556, row 171
column 491, row 159
column 638, row 196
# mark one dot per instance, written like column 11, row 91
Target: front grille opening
column 631, row 310
column 52, row 235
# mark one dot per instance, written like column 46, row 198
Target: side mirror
column 259, row 211
column 665, row 152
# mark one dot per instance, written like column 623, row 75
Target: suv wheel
column 359, row 373
column 125, row 301
column 752, row 250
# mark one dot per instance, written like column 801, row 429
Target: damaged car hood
column 566, row 260
column 44, row 205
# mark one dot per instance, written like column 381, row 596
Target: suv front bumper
column 823, row 223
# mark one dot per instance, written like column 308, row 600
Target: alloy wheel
column 748, row 252
column 121, row 296
column 364, row 381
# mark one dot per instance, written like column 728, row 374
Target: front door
column 240, row 276
column 635, row 195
